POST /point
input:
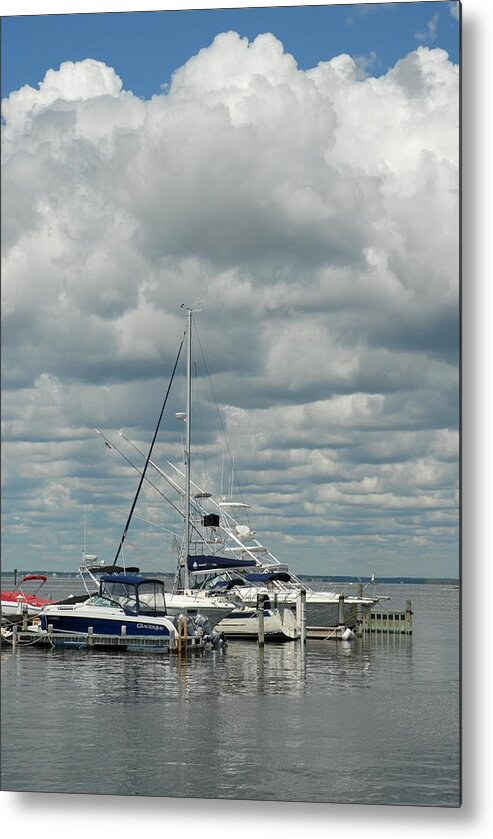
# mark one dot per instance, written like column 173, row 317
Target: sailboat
column 221, row 608
column 223, row 551
column 129, row 609
column 240, row 621
column 223, row 570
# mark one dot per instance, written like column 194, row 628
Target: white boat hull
column 213, row 609
column 322, row 608
column 279, row 624
column 14, row 611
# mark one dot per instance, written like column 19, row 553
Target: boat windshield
column 217, row 581
column 99, row 600
column 120, row 594
column 151, row 598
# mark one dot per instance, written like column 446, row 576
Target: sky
column 145, row 48
column 296, row 172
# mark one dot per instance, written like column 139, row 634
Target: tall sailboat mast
column 84, row 534
column 188, row 421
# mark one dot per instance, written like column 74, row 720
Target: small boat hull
column 279, row 625
column 18, row 603
column 14, row 610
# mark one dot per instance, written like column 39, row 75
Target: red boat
column 14, row 602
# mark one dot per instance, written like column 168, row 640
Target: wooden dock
column 386, row 622
column 377, row 621
column 18, row 637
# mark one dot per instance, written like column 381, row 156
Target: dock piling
column 340, row 611
column 303, row 616
column 260, row 614
column 359, row 612
column 409, row 616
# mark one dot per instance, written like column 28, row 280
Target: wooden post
column 90, row 634
column 303, row 616
column 358, row 629
column 409, row 616
column 14, row 636
column 359, row 610
column 260, row 615
column 340, row 611
column 25, row 609
column 181, row 632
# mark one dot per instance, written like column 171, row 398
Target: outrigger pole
column 143, row 474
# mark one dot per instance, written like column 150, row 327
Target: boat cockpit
column 134, row 594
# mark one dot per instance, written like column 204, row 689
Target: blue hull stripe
column 101, row 626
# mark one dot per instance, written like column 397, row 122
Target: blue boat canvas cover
column 202, row 563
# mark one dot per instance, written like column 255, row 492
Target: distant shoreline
column 316, row 578
column 444, row 581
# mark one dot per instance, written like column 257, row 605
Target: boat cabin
column 135, row 594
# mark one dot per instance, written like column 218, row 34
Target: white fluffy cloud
column 314, row 215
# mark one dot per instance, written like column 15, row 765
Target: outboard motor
column 193, row 627
column 210, row 636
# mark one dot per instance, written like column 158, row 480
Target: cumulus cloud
column 314, row 215
column 455, row 10
column 428, row 35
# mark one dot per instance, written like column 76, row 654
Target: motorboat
column 282, row 588
column 213, row 606
column 226, row 557
column 19, row 602
column 279, row 624
column 128, row 610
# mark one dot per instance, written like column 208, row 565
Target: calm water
column 375, row 721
